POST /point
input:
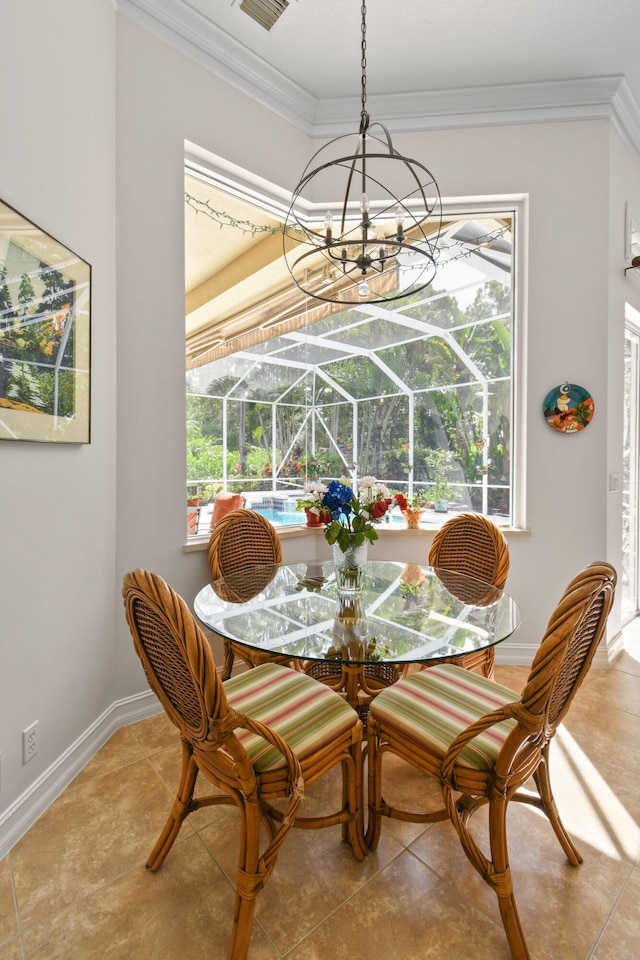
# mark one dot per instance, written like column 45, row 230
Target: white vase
column 350, row 568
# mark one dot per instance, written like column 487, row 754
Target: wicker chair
column 242, row 539
column 483, row 742
column 260, row 736
column 473, row 545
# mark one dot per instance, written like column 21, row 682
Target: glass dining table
column 358, row 643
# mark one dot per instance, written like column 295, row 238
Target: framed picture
column 45, row 335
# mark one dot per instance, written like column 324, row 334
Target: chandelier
column 380, row 242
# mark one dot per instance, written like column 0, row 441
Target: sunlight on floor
column 589, row 808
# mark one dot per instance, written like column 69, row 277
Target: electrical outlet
column 30, row 742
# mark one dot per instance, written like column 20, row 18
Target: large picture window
column 419, row 392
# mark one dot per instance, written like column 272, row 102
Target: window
column 419, row 392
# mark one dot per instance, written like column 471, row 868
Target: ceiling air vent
column 264, row 12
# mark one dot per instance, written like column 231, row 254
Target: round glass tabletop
column 407, row 613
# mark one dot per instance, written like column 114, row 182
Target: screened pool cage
column 417, row 393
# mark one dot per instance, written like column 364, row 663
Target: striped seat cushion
column 302, row 711
column 432, row 707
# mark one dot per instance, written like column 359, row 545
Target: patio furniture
column 239, row 540
column 258, row 737
column 473, row 545
column 224, row 503
column 193, row 519
column 481, row 741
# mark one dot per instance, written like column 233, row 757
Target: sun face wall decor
column 568, row 408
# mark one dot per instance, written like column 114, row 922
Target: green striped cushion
column 303, row 711
column 432, row 707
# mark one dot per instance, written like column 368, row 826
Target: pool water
column 280, row 518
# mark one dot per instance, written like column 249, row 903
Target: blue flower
column 337, row 498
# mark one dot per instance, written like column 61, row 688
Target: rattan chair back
column 473, row 545
column 242, row 539
column 568, row 647
column 174, row 653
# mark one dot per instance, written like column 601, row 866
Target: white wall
column 67, row 543
column 57, row 515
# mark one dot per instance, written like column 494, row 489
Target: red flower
column 402, row 501
column 378, row 509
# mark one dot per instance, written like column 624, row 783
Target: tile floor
column 75, row 886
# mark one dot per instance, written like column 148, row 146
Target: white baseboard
column 522, row 654
column 26, row 809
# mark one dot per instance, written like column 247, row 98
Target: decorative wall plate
column 568, row 408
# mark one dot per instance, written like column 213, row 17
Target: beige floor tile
column 512, row 677
column 574, row 901
column 154, row 733
column 629, row 661
column 315, row 872
column 621, row 937
column 405, row 912
column 617, row 688
column 8, row 917
column 607, row 733
column 184, row 910
column 11, row 950
column 119, row 750
column 598, row 801
column 168, row 763
column 93, row 833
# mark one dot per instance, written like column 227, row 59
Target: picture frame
column 45, row 335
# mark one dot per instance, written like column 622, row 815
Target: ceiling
column 426, row 62
column 429, row 66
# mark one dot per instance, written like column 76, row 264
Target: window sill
column 196, row 544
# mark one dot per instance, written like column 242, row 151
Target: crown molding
column 588, row 98
column 186, row 30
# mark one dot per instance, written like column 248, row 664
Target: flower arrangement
column 314, row 492
column 349, row 517
column 411, row 508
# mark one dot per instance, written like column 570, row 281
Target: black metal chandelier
column 380, row 243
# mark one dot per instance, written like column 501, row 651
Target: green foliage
column 448, row 403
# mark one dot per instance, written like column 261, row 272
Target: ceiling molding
column 196, row 37
column 186, row 30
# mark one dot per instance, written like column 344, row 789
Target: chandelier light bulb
column 364, row 290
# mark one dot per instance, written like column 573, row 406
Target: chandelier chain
column 363, row 61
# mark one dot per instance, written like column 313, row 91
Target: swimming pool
column 281, row 518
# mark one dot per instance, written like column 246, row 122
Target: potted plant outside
column 440, row 464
